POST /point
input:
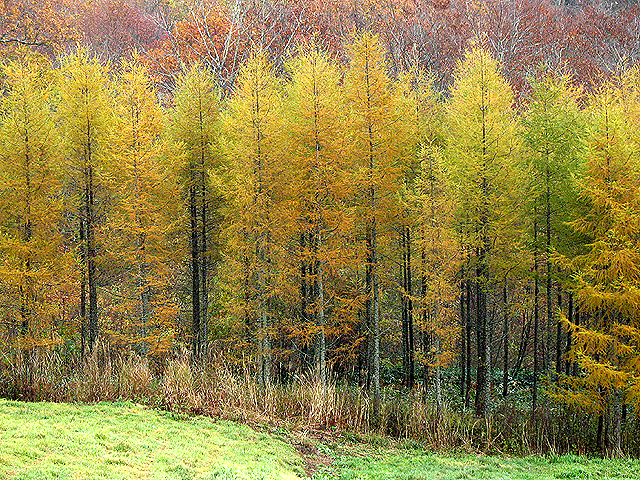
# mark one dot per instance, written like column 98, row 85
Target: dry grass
column 231, row 391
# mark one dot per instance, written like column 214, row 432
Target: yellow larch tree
column 553, row 134
column 606, row 277
column 425, row 311
column 428, row 223
column 142, row 241
column 33, row 265
column 379, row 144
column 258, row 220
column 194, row 124
column 86, row 118
column 485, row 178
column 318, row 190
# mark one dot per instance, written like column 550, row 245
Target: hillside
column 127, row 441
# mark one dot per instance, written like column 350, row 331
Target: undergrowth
column 219, row 389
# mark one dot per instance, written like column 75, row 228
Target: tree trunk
column 505, row 342
column 482, row 272
column 195, row 272
column 463, row 337
column 548, row 286
column 142, row 283
column 536, row 300
column 426, row 336
column 83, row 283
column 204, row 263
column 376, row 319
column 470, row 324
column 412, row 363
column 577, row 315
column 407, row 309
column 524, row 344
column 559, row 338
column 91, row 260
column 265, row 341
column 372, row 250
column 438, row 377
column 567, row 365
column 303, row 278
column 615, row 447
column 599, row 439
column 404, row 309
column 481, row 340
column 26, row 287
column 247, row 314
column 320, row 311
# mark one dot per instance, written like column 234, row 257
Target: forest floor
column 41, row 441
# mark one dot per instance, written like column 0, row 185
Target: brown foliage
column 41, row 24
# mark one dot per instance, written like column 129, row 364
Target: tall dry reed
column 220, row 389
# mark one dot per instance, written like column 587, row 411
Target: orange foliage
column 41, row 24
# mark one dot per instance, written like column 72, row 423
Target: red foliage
column 113, row 28
column 587, row 42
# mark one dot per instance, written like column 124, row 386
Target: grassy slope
column 416, row 465
column 125, row 441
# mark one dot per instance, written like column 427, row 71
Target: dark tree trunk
column 469, row 327
column 306, row 288
column 373, row 312
column 548, row 279
column 412, row 362
column 559, row 338
column 83, row 284
column 426, row 336
column 303, row 279
column 463, row 338
column 376, row 317
column 599, row 439
column 567, row 365
column 404, row 311
column 26, row 288
column 407, row 309
column 524, row 344
column 577, row 314
column 91, row 260
column 481, row 340
column 204, row 262
column 536, row 319
column 248, row 317
column 505, row 342
column 195, row 272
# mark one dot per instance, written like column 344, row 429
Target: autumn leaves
column 327, row 218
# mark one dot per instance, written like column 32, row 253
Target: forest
column 418, row 219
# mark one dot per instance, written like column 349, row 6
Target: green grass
column 43, row 441
column 395, row 464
